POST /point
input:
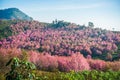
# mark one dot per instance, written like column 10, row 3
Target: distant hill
column 14, row 14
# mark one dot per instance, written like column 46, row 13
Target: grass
column 84, row 75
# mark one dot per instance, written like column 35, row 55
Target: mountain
column 14, row 13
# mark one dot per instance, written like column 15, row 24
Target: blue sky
column 103, row 13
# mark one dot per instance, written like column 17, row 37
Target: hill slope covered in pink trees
column 63, row 41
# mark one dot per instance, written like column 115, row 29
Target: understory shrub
column 115, row 66
column 20, row 70
column 44, row 61
column 97, row 64
column 75, row 62
column 47, row 63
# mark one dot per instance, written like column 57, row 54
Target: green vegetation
column 90, row 24
column 20, row 70
column 59, row 24
column 23, row 70
column 5, row 30
column 85, row 75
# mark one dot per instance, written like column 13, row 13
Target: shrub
column 97, row 64
column 33, row 56
column 5, row 55
column 75, row 62
column 115, row 66
column 47, row 63
column 20, row 70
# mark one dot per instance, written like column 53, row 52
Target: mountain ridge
column 14, row 14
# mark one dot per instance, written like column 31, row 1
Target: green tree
column 90, row 24
column 59, row 24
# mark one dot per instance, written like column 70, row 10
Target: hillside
column 64, row 39
column 13, row 14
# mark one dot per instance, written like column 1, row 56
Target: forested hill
column 13, row 14
column 61, row 38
